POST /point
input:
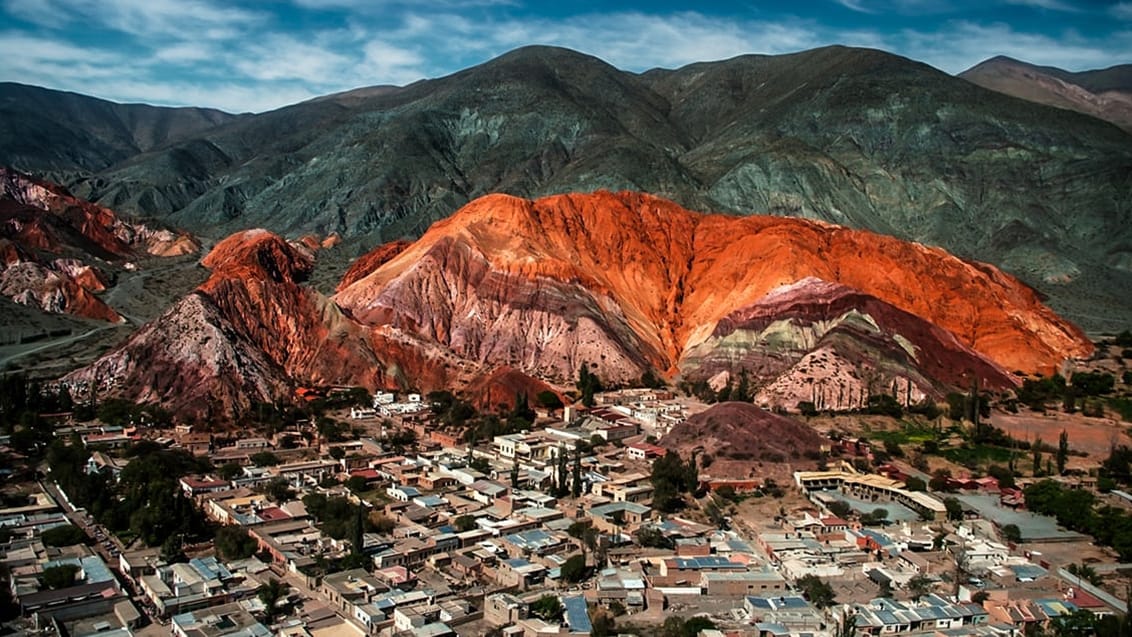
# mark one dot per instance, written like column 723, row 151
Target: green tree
column 270, row 593
column 234, row 543
column 63, row 535
column 548, row 608
column 954, row 509
column 264, row 459
column 576, row 475
column 62, row 576
column 816, row 590
column 588, row 384
column 919, row 586
column 230, row 471
column 357, row 531
column 840, row 508
column 1084, row 572
column 1011, row 533
column 1062, row 451
column 548, row 399
column 915, row 484
column 173, row 550
column 653, row 537
column 278, row 489
column 464, row 523
column 574, row 569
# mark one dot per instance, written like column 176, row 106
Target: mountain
column 507, row 290
column 1105, row 94
column 58, row 252
column 44, row 130
column 851, row 136
column 244, row 335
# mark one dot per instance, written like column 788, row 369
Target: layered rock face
column 40, row 221
column 631, row 281
column 509, row 289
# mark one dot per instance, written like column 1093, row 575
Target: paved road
column 52, row 344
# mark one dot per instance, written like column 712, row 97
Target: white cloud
column 960, row 45
column 855, row 5
column 146, row 19
column 369, row 6
column 1121, row 11
column 1049, row 5
column 284, row 57
column 391, row 64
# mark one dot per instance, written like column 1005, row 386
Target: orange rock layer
column 672, row 274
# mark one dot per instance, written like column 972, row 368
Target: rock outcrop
column 40, row 221
column 739, row 438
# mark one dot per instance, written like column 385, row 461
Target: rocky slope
column 57, row 250
column 851, row 136
column 508, row 290
column 632, row 281
column 1105, row 94
column 245, row 335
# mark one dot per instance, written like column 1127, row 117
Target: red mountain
column 40, row 221
column 624, row 282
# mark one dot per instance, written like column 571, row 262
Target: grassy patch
column 976, row 455
column 911, row 432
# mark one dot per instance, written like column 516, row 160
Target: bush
column 1011, row 533
column 547, row 608
column 915, row 484
column 264, row 459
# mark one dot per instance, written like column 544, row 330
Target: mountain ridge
column 1102, row 93
column 851, row 136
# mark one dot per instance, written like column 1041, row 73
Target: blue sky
column 259, row 55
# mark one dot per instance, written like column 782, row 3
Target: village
column 407, row 528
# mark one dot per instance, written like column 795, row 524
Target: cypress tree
column 576, row 487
